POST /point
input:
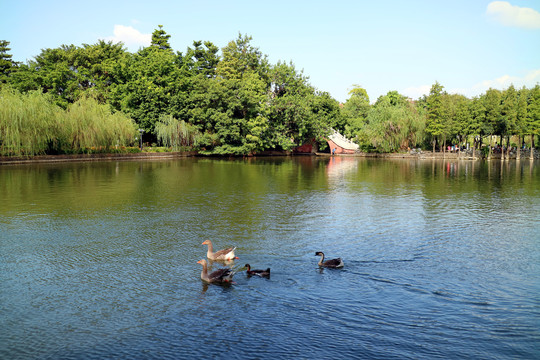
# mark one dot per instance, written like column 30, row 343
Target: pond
column 442, row 259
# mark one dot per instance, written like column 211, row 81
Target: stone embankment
column 92, row 157
column 413, row 154
column 462, row 155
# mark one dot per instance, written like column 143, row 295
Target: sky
column 467, row 46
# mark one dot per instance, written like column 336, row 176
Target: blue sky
column 380, row 45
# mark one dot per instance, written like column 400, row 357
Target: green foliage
column 31, row 124
column 435, row 110
column 6, row 64
column 394, row 125
column 533, row 110
column 492, row 104
column 28, row 122
column 199, row 60
column 89, row 124
column 149, row 84
column 234, row 104
column 175, row 133
column 160, row 39
column 355, row 110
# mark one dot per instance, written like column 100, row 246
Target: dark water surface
column 442, row 259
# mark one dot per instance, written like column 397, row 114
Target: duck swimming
column 219, row 276
column 221, row 255
column 333, row 263
column 262, row 273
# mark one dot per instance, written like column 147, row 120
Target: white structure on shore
column 342, row 142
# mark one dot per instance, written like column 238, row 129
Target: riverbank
column 422, row 155
column 427, row 155
column 4, row 160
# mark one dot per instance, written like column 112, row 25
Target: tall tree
column 160, row 39
column 355, row 113
column 492, row 103
column 435, row 112
column 521, row 118
column 147, row 84
column 463, row 118
column 478, row 117
column 239, row 57
column 533, row 115
column 288, row 111
column 508, row 118
column 6, row 63
column 202, row 60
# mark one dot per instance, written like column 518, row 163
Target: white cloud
column 529, row 80
column 515, row 16
column 130, row 36
column 416, row 92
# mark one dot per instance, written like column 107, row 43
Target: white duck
column 221, row 255
column 219, row 276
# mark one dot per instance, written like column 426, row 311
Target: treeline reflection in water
column 99, row 260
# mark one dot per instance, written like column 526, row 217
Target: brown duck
column 256, row 272
column 332, row 263
column 219, row 276
column 221, row 255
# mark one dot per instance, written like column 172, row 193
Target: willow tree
column 394, row 123
column 90, row 124
column 176, row 133
column 27, row 122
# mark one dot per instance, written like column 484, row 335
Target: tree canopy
column 234, row 101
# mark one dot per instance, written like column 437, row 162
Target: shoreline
column 6, row 160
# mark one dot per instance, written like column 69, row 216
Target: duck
column 221, row 255
column 333, row 263
column 219, row 276
column 262, row 273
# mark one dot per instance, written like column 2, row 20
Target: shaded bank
column 4, row 160
column 92, row 157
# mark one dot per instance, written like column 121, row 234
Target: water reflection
column 101, row 258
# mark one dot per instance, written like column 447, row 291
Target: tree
column 477, row 119
column 509, row 114
column 355, row 112
column 239, row 57
column 230, row 109
column 160, row 39
column 147, row 84
column 394, row 123
column 290, row 98
column 462, row 118
column 521, row 119
column 435, row 115
column 492, row 103
column 199, row 60
column 6, row 64
column 533, row 115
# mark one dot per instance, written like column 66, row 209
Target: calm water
column 442, row 259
